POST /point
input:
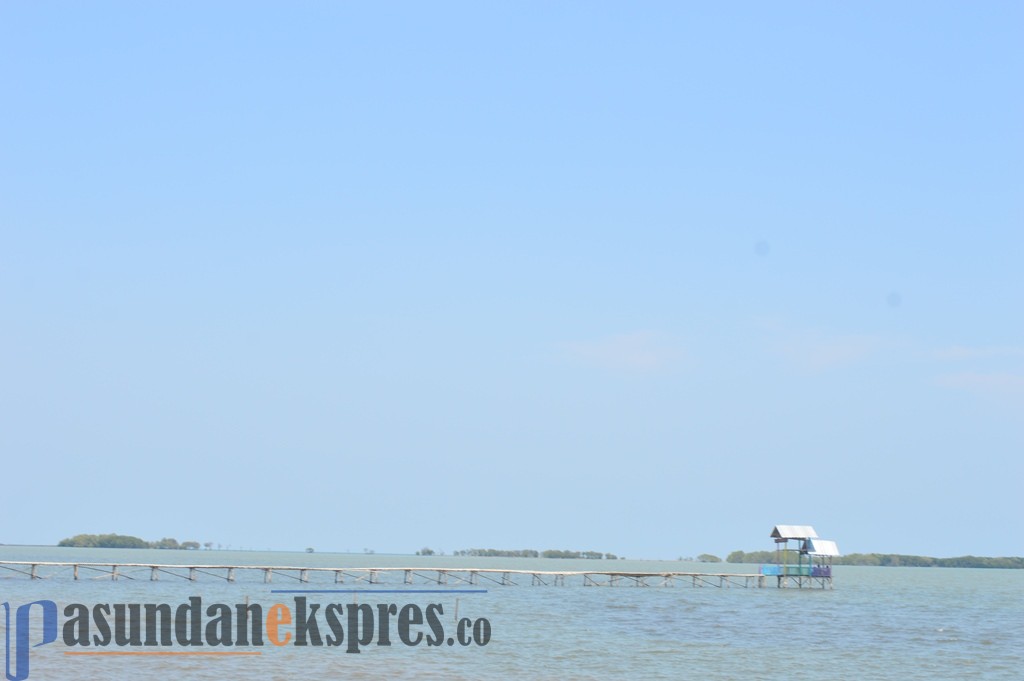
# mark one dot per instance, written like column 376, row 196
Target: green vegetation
column 533, row 553
column 554, row 553
column 124, row 541
column 499, row 553
column 891, row 560
column 708, row 558
column 897, row 560
column 751, row 557
column 105, row 541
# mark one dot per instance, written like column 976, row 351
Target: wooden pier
column 441, row 576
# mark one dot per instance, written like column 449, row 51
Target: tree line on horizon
column 125, row 541
column 892, row 560
column 121, row 541
column 533, row 553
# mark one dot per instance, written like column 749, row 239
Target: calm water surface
column 878, row 623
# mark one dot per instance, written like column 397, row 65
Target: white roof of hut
column 794, row 532
column 822, row 547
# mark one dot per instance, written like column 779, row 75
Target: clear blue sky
column 646, row 278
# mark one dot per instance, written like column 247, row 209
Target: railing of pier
column 438, row 576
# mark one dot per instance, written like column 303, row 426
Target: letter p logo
column 21, row 637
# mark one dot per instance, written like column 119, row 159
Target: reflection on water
column 878, row 623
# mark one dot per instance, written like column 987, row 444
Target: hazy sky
column 647, row 278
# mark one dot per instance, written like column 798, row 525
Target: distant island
column 124, row 541
column 892, row 560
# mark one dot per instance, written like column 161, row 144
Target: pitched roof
column 822, row 547
column 793, row 532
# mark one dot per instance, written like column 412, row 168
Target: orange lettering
column 277, row 615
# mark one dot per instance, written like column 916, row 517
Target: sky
column 643, row 278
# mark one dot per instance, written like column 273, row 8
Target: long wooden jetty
column 441, row 576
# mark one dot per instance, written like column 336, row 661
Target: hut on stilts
column 805, row 562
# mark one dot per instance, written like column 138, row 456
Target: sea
column 876, row 623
